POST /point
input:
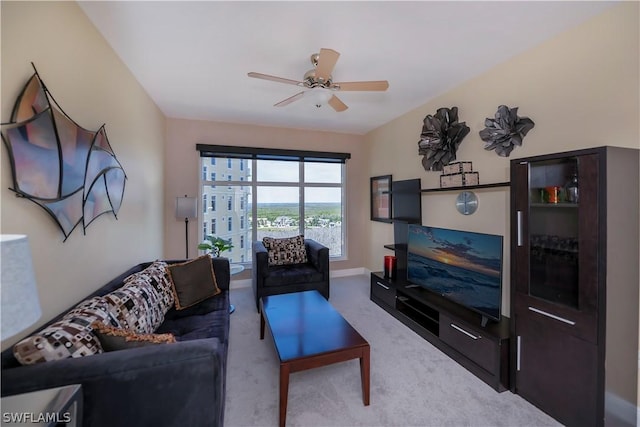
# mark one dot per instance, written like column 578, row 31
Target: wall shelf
column 467, row 187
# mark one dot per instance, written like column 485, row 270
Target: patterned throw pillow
column 113, row 339
column 136, row 306
column 156, row 275
column 72, row 336
column 290, row 250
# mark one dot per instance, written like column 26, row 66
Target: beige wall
column 581, row 90
column 92, row 85
column 182, row 174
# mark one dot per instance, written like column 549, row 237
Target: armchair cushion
column 285, row 251
column 290, row 274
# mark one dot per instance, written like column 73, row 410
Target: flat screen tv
column 462, row 266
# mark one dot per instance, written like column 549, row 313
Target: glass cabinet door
column 555, row 262
column 553, row 231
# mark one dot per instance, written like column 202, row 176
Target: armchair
column 280, row 279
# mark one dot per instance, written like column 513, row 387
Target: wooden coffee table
column 308, row 333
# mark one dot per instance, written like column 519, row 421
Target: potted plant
column 215, row 245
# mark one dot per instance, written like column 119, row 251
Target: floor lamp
column 187, row 208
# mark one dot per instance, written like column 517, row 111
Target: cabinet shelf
column 554, row 205
column 466, row 187
column 396, row 247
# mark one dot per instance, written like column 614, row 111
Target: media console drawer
column 471, row 343
column 383, row 291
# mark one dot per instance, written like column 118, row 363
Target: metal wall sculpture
column 69, row 171
column 505, row 131
column 441, row 135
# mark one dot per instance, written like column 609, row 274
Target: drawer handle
column 384, row 286
column 459, row 329
column 553, row 316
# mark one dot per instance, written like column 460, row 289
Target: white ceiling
column 193, row 57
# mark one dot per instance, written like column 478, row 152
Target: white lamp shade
column 186, row 207
column 18, row 291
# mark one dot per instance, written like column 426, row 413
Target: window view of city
column 286, row 198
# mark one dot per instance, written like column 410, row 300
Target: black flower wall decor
column 441, row 135
column 505, row 131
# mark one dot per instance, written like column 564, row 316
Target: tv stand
column 477, row 343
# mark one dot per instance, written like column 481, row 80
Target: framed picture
column 381, row 198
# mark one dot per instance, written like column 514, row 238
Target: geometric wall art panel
column 70, row 172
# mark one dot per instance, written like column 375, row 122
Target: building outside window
column 277, row 198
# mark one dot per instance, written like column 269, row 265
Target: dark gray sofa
column 180, row 384
column 282, row 279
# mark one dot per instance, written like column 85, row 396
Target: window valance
column 234, row 152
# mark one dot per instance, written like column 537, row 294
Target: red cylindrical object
column 390, row 266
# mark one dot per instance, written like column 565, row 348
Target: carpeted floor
column 412, row 382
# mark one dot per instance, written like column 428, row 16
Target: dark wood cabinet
column 574, row 279
column 454, row 329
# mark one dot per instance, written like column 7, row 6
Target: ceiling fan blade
column 378, row 85
column 336, row 104
column 274, row 78
column 289, row 100
column 327, row 59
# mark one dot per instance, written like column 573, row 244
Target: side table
column 61, row 406
column 234, row 269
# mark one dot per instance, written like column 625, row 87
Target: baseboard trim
column 246, row 283
column 236, row 284
column 620, row 409
column 348, row 272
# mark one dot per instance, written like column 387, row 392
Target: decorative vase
column 390, row 267
column 571, row 189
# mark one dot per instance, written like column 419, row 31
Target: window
column 213, row 203
column 213, row 226
column 204, row 203
column 280, row 193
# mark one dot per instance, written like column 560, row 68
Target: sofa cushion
column 209, row 319
column 289, row 250
column 156, row 274
column 113, row 339
column 72, row 336
column 192, row 281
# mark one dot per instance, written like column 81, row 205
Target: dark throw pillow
column 289, row 250
column 113, row 339
column 193, row 281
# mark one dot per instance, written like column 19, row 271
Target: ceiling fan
column 321, row 84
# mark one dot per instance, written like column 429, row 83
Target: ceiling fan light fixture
column 319, row 96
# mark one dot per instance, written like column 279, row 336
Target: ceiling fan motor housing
column 311, row 81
